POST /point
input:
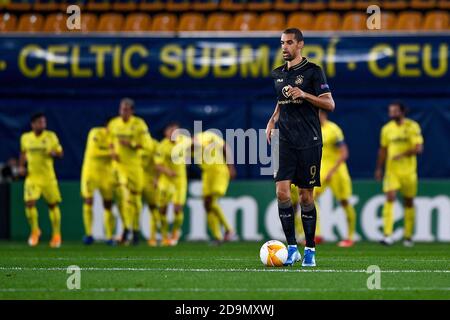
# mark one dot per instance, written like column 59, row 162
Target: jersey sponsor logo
column 324, row 86
column 285, row 91
column 280, row 80
column 312, row 182
column 299, row 80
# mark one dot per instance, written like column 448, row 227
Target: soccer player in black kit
column 302, row 90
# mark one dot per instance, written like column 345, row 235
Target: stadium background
column 187, row 70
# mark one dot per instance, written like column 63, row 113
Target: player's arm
column 228, row 153
column 99, row 148
column 382, row 152
column 324, row 101
column 22, row 161
column 321, row 98
column 57, row 150
column 416, row 140
column 272, row 121
column 160, row 166
column 343, row 156
column 417, row 149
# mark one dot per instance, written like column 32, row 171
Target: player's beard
column 288, row 57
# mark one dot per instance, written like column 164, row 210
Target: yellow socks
column 124, row 207
column 87, row 219
column 164, row 226
column 214, row 225
column 135, row 209
column 155, row 221
column 317, row 220
column 351, row 220
column 179, row 217
column 388, row 218
column 215, row 207
column 110, row 223
column 32, row 216
column 55, row 219
column 409, row 222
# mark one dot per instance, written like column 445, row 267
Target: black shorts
column 300, row 166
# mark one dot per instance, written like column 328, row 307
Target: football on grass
column 273, row 253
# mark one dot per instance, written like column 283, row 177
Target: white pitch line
column 216, row 270
column 215, row 259
column 138, row 290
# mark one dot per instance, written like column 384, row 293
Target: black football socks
column 309, row 219
column 286, row 213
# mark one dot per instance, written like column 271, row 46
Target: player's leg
column 295, row 200
column 109, row 222
column 155, row 224
column 31, row 194
column 88, row 220
column 341, row 186
column 220, row 180
column 122, row 195
column 52, row 195
column 287, row 218
column 409, row 190
column 87, row 193
column 284, row 175
column 163, row 201
column 177, row 224
column 212, row 220
column 135, row 186
column 211, row 216
column 179, row 199
column 149, row 195
column 309, row 220
column 388, row 217
column 106, row 188
column 390, row 186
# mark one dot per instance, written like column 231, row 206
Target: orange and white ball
column 273, row 253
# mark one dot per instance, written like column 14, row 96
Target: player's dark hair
column 403, row 108
column 128, row 101
column 298, row 35
column 171, row 124
column 36, row 116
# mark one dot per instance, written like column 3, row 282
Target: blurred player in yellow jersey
column 97, row 174
column 128, row 133
column 38, row 149
column 150, row 191
column 215, row 160
column 401, row 141
column 172, row 184
column 334, row 173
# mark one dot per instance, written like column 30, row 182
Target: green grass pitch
column 231, row 271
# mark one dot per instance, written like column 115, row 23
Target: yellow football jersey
column 398, row 139
column 37, row 151
column 97, row 156
column 134, row 131
column 173, row 156
column 209, row 150
column 332, row 138
column 147, row 153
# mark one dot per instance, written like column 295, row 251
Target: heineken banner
column 152, row 65
column 251, row 208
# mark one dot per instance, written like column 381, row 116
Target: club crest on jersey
column 299, row 80
column 285, row 91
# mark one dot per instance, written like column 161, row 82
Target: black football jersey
column 298, row 122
